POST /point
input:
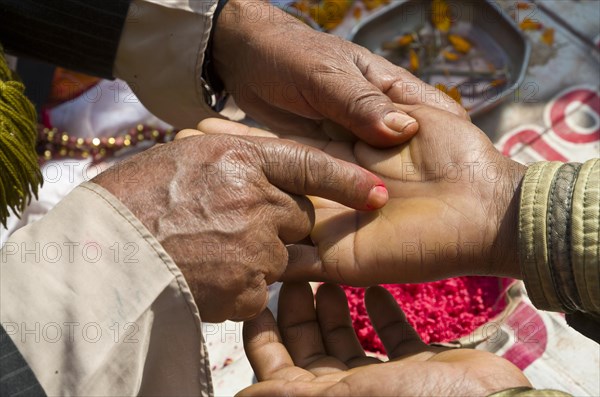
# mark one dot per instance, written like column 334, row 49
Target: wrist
column 505, row 258
column 252, row 27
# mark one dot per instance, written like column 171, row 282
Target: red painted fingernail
column 378, row 197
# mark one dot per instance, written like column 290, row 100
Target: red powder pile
column 440, row 311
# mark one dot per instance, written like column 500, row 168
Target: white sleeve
column 160, row 55
column 97, row 307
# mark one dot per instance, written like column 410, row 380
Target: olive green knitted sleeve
column 559, row 240
column 529, row 392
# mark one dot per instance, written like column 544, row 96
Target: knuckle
column 366, row 106
column 309, row 215
column 278, row 265
column 308, row 161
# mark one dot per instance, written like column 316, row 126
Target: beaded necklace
column 53, row 144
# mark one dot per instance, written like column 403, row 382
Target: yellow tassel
column 20, row 174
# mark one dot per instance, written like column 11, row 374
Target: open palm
column 312, row 351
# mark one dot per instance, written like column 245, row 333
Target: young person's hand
column 315, row 352
column 452, row 210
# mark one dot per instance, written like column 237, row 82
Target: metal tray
column 491, row 31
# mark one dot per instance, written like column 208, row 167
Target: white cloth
column 97, row 307
column 88, row 296
column 161, row 51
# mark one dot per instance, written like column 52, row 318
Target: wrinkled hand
column 452, row 210
column 294, row 79
column 310, row 352
column 224, row 207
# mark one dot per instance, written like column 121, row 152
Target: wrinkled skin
column 452, row 209
column 297, row 80
column 223, row 208
column 315, row 352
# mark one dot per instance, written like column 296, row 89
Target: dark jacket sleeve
column 77, row 34
column 16, row 378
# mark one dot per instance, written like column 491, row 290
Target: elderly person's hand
column 224, row 207
column 452, row 211
column 296, row 80
column 315, row 352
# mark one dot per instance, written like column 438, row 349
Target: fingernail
column 378, row 197
column 399, row 122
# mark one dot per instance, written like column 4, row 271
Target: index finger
column 398, row 336
column 265, row 350
column 304, row 170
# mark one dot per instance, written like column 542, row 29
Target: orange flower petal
column 301, row 6
column 548, row 37
column 330, row 13
column 405, row 40
column 440, row 15
column 460, row 44
column 530, row 24
column 454, row 93
column 450, row 56
column 414, row 60
column 442, row 87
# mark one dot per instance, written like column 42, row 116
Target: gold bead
column 85, row 154
column 111, row 141
column 62, row 152
column 140, row 127
column 50, row 134
column 126, row 142
column 155, row 133
column 47, row 155
column 79, row 142
column 96, row 141
column 140, row 137
column 64, row 137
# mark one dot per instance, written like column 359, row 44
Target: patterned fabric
column 16, row 378
column 59, row 32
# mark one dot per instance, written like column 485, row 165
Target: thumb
column 359, row 106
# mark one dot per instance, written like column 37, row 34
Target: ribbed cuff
column 529, row 392
column 533, row 253
column 585, row 235
column 559, row 233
